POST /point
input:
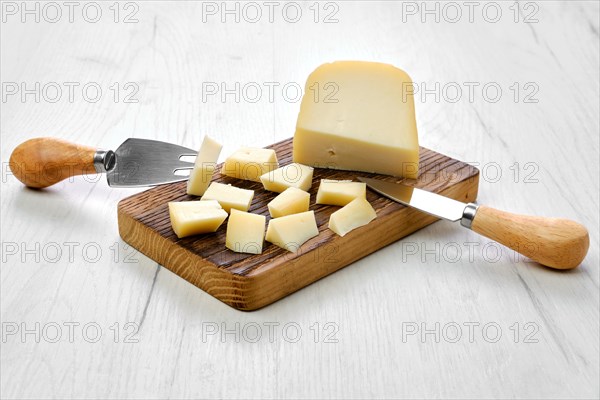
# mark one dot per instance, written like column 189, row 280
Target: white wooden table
column 441, row 314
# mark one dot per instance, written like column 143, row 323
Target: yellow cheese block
column 195, row 217
column 292, row 231
column 358, row 116
column 292, row 175
column 229, row 196
column 355, row 214
column 250, row 163
column 245, row 232
column 290, row 201
column 204, row 167
column 340, row 193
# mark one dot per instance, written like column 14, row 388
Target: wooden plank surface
column 248, row 281
column 538, row 158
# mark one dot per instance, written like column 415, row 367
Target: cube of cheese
column 195, row 217
column 250, row 163
column 290, row 201
column 292, row 231
column 340, row 193
column 204, row 167
column 355, row 214
column 292, row 175
column 358, row 116
column 245, row 232
column 229, row 196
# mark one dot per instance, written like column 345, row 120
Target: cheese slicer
column 42, row 162
column 554, row 242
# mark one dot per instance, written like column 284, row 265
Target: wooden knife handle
column 553, row 242
column 42, row 162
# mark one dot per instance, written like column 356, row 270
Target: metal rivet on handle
column 104, row 160
column 469, row 215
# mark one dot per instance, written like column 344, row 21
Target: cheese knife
column 553, row 242
column 42, row 162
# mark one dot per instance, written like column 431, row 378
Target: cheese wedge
column 292, row 231
column 290, row 201
column 245, row 232
column 355, row 214
column 204, row 167
column 250, row 163
column 195, row 217
column 292, row 175
column 358, row 116
column 340, row 193
column 229, row 196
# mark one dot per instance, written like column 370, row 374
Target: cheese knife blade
column 431, row 203
column 143, row 162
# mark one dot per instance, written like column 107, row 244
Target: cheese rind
column 195, row 217
column 340, row 193
column 292, row 175
column 353, row 215
column 292, row 231
column 229, row 196
column 204, row 167
column 245, row 232
column 362, row 118
column 290, row 201
column 249, row 163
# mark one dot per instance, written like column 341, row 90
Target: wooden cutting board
column 248, row 282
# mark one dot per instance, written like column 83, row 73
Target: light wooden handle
column 553, row 242
column 42, row 162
